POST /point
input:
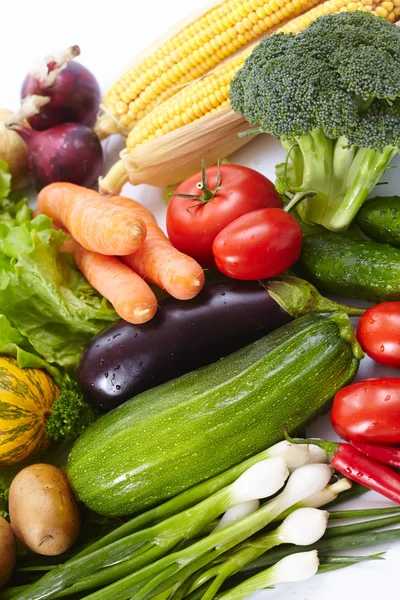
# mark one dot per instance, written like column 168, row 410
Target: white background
column 109, row 35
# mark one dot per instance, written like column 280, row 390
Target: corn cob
column 198, row 47
column 167, row 145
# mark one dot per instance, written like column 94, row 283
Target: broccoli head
column 331, row 94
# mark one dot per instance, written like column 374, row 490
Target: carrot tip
column 141, row 313
column 137, row 231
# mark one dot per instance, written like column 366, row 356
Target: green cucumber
column 344, row 266
column 379, row 219
column 185, row 431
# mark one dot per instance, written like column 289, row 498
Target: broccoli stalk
column 331, row 94
column 342, row 176
column 70, row 414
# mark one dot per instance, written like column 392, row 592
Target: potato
column 8, row 551
column 43, row 511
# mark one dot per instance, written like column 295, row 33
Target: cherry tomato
column 193, row 223
column 379, row 333
column 368, row 411
column 258, row 245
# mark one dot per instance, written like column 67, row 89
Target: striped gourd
column 26, row 399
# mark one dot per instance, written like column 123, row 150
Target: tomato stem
column 205, row 192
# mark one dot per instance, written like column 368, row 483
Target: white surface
column 110, row 34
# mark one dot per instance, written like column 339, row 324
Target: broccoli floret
column 70, row 415
column 4, row 502
column 331, row 94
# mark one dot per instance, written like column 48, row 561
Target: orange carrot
column 158, row 262
column 92, row 220
column 129, row 294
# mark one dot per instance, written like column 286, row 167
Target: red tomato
column 368, row 411
column 192, row 226
column 379, row 333
column 258, row 245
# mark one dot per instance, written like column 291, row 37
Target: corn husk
column 178, row 154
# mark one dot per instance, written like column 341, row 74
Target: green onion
column 303, row 527
column 362, row 512
column 295, row 567
column 303, row 481
column 240, row 511
column 345, row 542
column 360, row 527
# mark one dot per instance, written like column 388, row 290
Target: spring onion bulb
column 295, row 567
column 303, row 526
column 238, row 512
column 316, row 455
column 295, row 455
column 262, row 480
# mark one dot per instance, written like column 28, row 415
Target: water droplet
column 118, row 387
column 97, row 345
column 106, row 375
column 101, row 361
column 222, row 293
column 359, row 474
column 372, row 320
column 348, row 470
column 109, row 340
column 135, row 335
column 117, row 368
column 387, row 398
column 92, row 385
column 382, row 348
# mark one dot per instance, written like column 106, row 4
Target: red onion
column 73, row 91
column 67, row 152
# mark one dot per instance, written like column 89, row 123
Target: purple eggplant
column 127, row 359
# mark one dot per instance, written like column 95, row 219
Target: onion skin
column 15, row 152
column 67, row 152
column 74, row 97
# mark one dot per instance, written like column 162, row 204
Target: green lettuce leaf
column 48, row 309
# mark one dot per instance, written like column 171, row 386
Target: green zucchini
column 340, row 265
column 185, row 431
column 379, row 219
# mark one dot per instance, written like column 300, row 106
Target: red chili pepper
column 360, row 468
column 388, row 455
column 367, row 471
